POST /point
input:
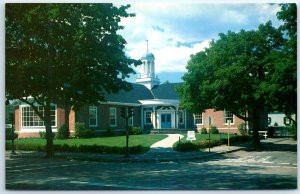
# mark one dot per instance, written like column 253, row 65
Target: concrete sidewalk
column 167, row 142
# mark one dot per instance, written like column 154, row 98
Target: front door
column 166, row 121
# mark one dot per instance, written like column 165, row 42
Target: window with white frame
column 112, row 116
column 130, row 120
column 93, row 121
column 228, row 115
column 30, row 119
column 148, row 117
column 180, row 117
column 198, row 119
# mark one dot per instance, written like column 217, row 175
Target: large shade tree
column 249, row 71
column 230, row 73
column 67, row 54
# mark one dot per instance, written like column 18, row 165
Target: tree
column 281, row 87
column 67, row 54
column 229, row 75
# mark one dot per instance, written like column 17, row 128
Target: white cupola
column 147, row 71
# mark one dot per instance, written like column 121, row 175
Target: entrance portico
column 161, row 114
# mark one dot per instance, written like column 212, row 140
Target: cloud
column 175, row 31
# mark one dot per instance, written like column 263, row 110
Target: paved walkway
column 167, row 142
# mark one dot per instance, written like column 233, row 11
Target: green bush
column 238, row 139
column 214, row 130
column 8, row 135
column 186, row 147
column 109, row 132
column 203, row 130
column 63, row 132
column 206, row 144
column 242, row 129
column 82, row 132
column 43, row 134
column 135, row 131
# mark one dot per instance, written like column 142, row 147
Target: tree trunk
column 67, row 113
column 49, row 134
column 257, row 120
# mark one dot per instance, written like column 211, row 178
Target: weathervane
column 147, row 45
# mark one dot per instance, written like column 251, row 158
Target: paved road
column 275, row 168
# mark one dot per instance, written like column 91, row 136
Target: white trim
column 113, row 108
column 96, row 125
column 120, row 103
column 198, row 124
column 34, row 127
column 159, row 102
column 225, row 123
column 145, row 118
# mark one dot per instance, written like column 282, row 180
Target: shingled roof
column 165, row 91
column 140, row 92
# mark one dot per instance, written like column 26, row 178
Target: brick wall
column 218, row 121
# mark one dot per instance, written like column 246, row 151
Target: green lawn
column 201, row 137
column 118, row 141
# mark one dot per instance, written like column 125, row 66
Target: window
column 130, row 120
column 31, row 119
column 148, row 117
column 198, row 119
column 269, row 120
column 228, row 115
column 93, row 122
column 180, row 117
column 286, row 121
column 112, row 116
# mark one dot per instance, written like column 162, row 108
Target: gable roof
column 140, row 92
column 165, row 91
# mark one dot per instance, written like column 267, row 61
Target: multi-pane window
column 112, row 116
column 228, row 115
column 93, row 122
column 198, row 119
column 180, row 117
column 130, row 120
column 148, row 117
column 31, row 119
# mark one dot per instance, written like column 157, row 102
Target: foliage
column 135, row 131
column 109, row 132
column 42, row 134
column 82, row 132
column 242, row 129
column 203, row 130
column 244, row 71
column 214, row 130
column 8, row 134
column 63, row 132
column 68, row 54
column 185, row 146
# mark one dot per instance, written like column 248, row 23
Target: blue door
column 165, row 121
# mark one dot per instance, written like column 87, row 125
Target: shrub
column 186, row 147
column 63, row 132
column 135, row 131
column 109, row 132
column 214, row 130
column 203, row 130
column 207, row 143
column 8, row 135
column 82, row 132
column 43, row 134
column 242, row 129
column 238, row 139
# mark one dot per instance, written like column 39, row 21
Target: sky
column 177, row 30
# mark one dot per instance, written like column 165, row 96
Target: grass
column 201, row 137
column 117, row 141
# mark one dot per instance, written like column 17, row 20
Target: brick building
column 155, row 105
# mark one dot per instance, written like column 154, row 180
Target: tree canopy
column 245, row 71
column 64, row 54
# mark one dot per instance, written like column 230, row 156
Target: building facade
column 155, row 107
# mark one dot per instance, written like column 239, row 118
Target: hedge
column 81, row 148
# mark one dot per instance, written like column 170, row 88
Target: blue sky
column 177, row 30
